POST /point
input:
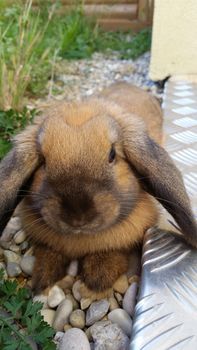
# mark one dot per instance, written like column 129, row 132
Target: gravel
column 74, row 80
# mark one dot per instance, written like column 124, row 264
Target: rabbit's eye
column 112, row 155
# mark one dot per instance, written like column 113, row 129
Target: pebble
column 66, row 282
column 118, row 298
column 72, row 299
column 29, row 252
column 48, row 316
column 77, row 319
column 27, row 264
column 122, row 318
column 134, row 278
column 85, row 303
column 96, row 311
column 82, row 78
column 67, row 327
column 55, row 296
column 11, row 257
column 58, row 337
column 109, row 337
column 19, row 237
column 5, row 244
column 12, row 227
column 88, row 333
column 76, row 290
column 73, row 268
column 91, row 345
column 121, row 284
column 129, row 299
column 62, row 315
column 15, row 248
column 74, row 339
column 41, row 298
column 113, row 304
column 24, row 245
column 13, row 269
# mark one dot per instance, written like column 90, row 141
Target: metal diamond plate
column 185, row 137
column 185, row 110
column 184, row 101
column 185, row 122
column 166, row 311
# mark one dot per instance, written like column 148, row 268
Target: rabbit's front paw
column 99, row 271
column 93, row 295
column 50, row 266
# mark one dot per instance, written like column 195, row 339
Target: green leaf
column 20, row 320
column 8, row 288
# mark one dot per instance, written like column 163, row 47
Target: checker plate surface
column 166, row 311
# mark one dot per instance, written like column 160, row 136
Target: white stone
column 74, row 339
column 15, row 248
column 27, row 264
column 76, row 290
column 41, row 298
column 11, row 257
column 73, row 268
column 85, row 303
column 12, row 227
column 55, row 296
column 96, row 311
column 62, row 315
column 113, row 304
column 77, row 319
column 13, row 269
column 109, row 336
column 58, row 337
column 19, row 237
column 48, row 316
column 121, row 284
column 72, row 299
column 122, row 318
column 129, row 300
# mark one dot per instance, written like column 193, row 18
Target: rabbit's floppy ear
column 158, row 175
column 15, row 171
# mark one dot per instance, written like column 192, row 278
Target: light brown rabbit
column 87, row 173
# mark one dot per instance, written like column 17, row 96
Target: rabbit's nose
column 78, row 222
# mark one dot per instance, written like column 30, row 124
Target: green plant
column 21, row 52
column 11, row 122
column 80, row 38
column 21, row 324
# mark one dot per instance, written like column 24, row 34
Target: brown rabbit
column 87, row 173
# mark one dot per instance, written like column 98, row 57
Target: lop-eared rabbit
column 89, row 175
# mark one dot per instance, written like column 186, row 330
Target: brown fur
column 100, row 270
column 81, row 205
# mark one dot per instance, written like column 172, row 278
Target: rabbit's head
column 84, row 167
column 85, row 183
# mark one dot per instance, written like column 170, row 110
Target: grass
column 11, row 122
column 21, row 53
column 80, row 38
column 31, row 40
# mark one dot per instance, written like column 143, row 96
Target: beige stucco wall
column 174, row 42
